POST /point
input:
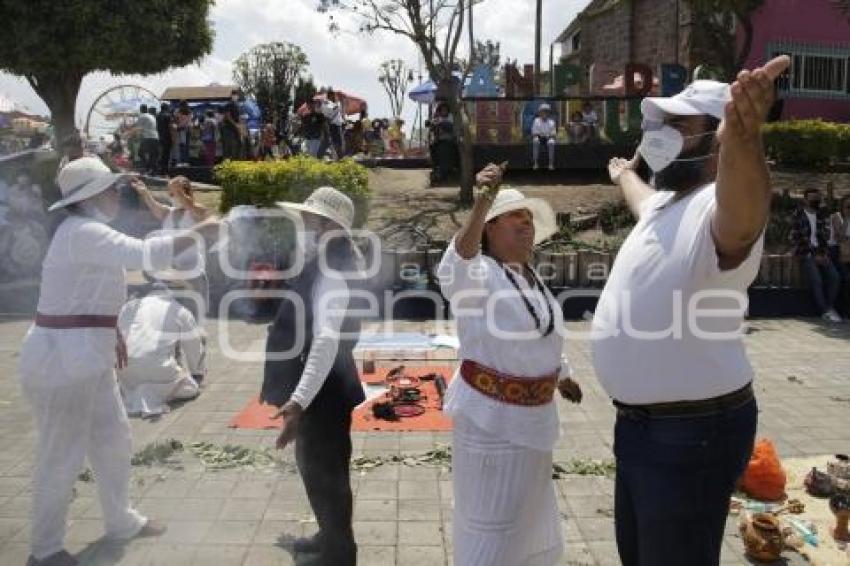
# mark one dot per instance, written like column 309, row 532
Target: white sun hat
column 700, row 97
column 84, row 178
column 328, row 203
column 542, row 214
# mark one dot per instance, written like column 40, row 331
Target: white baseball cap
column 328, row 203
column 543, row 217
column 700, row 97
column 84, row 178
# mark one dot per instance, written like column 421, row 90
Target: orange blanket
column 256, row 415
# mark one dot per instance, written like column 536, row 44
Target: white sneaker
column 832, row 316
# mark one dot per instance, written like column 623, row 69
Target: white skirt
column 505, row 509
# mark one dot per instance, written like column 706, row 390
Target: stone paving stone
column 420, row 533
column 419, row 510
column 596, row 528
column 421, row 556
column 377, row 489
column 220, row 555
column 268, row 555
column 209, row 487
column 14, row 553
column 11, row 527
column 189, row 532
column 375, row 509
column 276, row 532
column 243, row 509
column 369, row 555
column 415, row 489
column 260, row 489
column 231, row 532
column 376, row 533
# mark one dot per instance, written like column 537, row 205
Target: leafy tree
column 394, row 76
column 269, row 72
column 487, row 53
column 55, row 44
column 305, row 90
column 435, row 28
column 714, row 40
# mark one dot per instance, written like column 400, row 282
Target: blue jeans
column 824, row 282
column 674, row 480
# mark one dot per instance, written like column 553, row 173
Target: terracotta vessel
column 763, row 539
column 839, row 504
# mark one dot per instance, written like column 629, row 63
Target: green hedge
column 807, row 144
column 265, row 182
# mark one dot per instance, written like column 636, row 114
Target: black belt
column 698, row 408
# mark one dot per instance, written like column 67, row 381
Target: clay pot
column 819, row 484
column 840, row 506
column 763, row 539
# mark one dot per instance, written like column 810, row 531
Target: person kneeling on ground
column 160, row 333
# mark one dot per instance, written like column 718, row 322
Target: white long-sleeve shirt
column 330, row 300
column 84, row 273
column 487, row 307
column 165, row 350
column 544, row 128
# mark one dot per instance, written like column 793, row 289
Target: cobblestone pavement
column 402, row 513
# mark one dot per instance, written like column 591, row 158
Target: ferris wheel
column 117, row 109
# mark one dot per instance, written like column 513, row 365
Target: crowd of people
column 686, row 411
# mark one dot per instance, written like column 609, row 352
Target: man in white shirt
column 333, row 112
column 544, row 130
column 666, row 337
column 145, row 129
column 165, row 353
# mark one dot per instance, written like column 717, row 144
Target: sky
column 347, row 61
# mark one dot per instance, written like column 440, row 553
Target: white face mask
column 659, row 148
column 93, row 211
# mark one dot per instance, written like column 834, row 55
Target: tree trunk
column 538, row 40
column 471, row 38
column 59, row 92
column 747, row 27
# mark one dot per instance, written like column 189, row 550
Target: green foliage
column 264, row 183
column 305, row 90
column 268, row 72
column 714, row 36
column 807, row 144
column 144, row 36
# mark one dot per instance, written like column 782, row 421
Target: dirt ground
column 403, row 196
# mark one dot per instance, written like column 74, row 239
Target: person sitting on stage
column 160, row 334
column 502, row 398
column 543, row 132
column 578, row 130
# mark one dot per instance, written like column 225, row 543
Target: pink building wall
column 814, row 23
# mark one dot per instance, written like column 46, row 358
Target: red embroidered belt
column 75, row 321
column 525, row 392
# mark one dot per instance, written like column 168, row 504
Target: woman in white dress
column 501, row 400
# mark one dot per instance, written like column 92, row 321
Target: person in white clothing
column 667, row 332
column 310, row 371
column 68, row 359
column 332, row 109
column 188, row 270
column 165, row 353
column 501, row 398
column 544, row 131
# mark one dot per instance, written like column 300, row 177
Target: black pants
column 323, row 455
column 674, row 480
column 149, row 154
column 164, row 156
column 336, row 140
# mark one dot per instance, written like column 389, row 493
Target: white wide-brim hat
column 542, row 214
column 700, row 97
column 328, row 203
column 82, row 179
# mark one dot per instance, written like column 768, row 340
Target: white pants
column 74, row 420
column 505, row 511
column 535, row 149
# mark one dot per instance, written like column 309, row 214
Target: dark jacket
column 801, row 233
column 163, row 127
column 342, row 390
